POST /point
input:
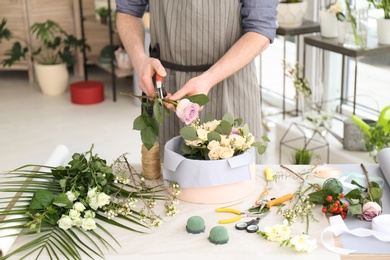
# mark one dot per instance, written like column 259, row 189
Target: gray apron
column 194, row 34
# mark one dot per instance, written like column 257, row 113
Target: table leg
column 354, row 87
column 342, row 83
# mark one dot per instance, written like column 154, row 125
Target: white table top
column 171, row 240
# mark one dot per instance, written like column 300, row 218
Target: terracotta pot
column 291, row 14
column 52, row 79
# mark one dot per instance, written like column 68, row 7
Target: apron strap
column 155, row 53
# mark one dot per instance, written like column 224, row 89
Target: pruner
column 161, row 93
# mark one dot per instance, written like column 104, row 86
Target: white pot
column 341, row 31
column 328, row 24
column 53, row 79
column 291, row 15
column 383, row 31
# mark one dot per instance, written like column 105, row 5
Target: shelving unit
column 94, row 58
column 308, row 27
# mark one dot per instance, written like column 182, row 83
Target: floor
column 33, row 124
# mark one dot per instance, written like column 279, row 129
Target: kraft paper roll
column 56, row 158
column 383, row 158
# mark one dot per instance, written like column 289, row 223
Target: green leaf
column 228, row 117
column 200, row 99
column 208, row 117
column 354, row 194
column 140, row 123
column 355, row 209
column 245, row 129
column 265, row 138
column 376, row 193
column 157, row 111
column 62, row 201
column 226, row 127
column 213, row 136
column 43, row 197
column 148, row 137
column 261, row 149
column 238, row 122
column 188, row 133
column 321, row 195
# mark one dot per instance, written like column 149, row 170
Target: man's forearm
column 248, row 47
column 132, row 33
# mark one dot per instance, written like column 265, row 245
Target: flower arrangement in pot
column 53, row 51
column 383, row 23
column 212, row 161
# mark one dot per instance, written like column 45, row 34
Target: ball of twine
column 151, row 165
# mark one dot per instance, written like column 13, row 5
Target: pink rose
column 187, row 111
column 371, row 210
column 235, row 131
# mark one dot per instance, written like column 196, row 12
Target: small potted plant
column 103, row 14
column 383, row 23
column 302, row 156
column 291, row 13
column 53, row 51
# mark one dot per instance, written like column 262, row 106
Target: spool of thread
column 151, row 165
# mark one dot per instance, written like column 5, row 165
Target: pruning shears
column 161, row 93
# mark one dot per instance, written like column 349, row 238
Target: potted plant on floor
column 53, row 51
column 383, row 23
column 291, row 13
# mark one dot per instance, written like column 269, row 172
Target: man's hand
column 145, row 70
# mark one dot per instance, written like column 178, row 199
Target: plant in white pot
column 53, row 51
column 383, row 23
column 291, row 13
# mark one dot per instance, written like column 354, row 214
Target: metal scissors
column 239, row 214
column 161, row 93
column 250, row 226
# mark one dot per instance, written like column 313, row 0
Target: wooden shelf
column 119, row 73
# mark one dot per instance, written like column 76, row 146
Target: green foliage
column 377, row 139
column 382, row 4
column 88, row 187
column 301, row 156
column 52, row 45
column 5, row 33
column 149, row 125
column 102, row 11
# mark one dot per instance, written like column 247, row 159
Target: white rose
column 91, row 193
column 214, row 153
column 225, row 141
column 74, row 213
column 71, row 196
column 193, row 143
column 103, row 199
column 202, row 134
column 212, row 125
column 89, row 214
column 213, row 144
column 93, row 202
column 237, row 141
column 226, row 152
column 77, row 222
column 88, row 224
column 65, row 222
column 79, row 206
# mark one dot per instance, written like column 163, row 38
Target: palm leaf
column 22, row 183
